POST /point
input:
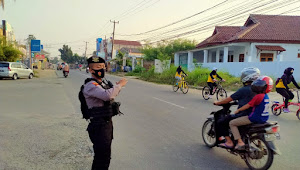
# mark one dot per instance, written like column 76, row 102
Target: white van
column 14, row 70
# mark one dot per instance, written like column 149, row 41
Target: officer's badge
column 95, row 59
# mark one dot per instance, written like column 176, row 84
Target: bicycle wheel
column 276, row 112
column 205, row 92
column 175, row 86
column 221, row 94
column 184, row 87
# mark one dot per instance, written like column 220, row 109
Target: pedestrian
column 99, row 94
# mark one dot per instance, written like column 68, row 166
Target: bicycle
column 219, row 90
column 182, row 84
column 277, row 107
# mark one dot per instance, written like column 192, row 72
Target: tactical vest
column 110, row 108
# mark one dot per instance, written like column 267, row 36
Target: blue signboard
column 35, row 45
column 98, row 44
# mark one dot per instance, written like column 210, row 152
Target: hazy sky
column 72, row 22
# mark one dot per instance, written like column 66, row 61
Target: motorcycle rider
column 66, row 68
column 260, row 112
column 244, row 95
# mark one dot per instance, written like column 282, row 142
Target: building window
column 266, row 57
column 298, row 55
column 230, row 58
column 241, row 58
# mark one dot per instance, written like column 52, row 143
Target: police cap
column 95, row 59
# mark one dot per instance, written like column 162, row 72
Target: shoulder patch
column 96, row 84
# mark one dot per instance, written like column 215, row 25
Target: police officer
column 98, row 97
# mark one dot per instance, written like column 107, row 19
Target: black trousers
column 222, row 125
column 211, row 86
column 101, row 135
column 286, row 94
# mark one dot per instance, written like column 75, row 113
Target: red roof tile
column 220, row 35
column 259, row 28
column 129, row 43
column 269, row 48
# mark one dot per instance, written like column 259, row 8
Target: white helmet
column 250, row 74
column 215, row 68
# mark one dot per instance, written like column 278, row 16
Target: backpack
column 83, row 105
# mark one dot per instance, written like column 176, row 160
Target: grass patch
column 197, row 77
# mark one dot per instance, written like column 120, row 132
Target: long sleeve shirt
column 95, row 94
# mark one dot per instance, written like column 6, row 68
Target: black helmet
column 250, row 74
column 259, row 86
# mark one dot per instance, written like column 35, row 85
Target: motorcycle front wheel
column 209, row 133
column 261, row 157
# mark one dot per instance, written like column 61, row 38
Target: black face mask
column 99, row 73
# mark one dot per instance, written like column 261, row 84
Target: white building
column 269, row 42
column 106, row 47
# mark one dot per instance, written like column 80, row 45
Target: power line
column 180, row 19
column 206, row 26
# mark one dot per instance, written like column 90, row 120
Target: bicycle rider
column 179, row 73
column 283, row 89
column 244, row 95
column 211, row 81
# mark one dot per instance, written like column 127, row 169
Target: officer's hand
column 216, row 103
column 122, row 82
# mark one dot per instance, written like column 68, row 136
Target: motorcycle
column 66, row 73
column 259, row 139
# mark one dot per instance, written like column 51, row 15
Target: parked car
column 14, row 70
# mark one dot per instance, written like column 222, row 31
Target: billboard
column 98, row 43
column 35, row 45
column 40, row 57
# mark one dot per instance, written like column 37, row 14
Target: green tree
column 55, row 60
column 166, row 50
column 66, row 54
column 9, row 53
column 29, row 38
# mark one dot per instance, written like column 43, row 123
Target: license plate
column 270, row 137
column 277, row 136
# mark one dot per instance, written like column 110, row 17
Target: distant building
column 106, row 45
column 9, row 32
column 269, row 42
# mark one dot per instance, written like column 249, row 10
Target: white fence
column 274, row 69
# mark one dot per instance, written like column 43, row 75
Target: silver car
column 14, row 70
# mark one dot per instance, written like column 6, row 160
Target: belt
column 100, row 119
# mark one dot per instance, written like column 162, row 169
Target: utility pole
column 85, row 49
column 113, row 38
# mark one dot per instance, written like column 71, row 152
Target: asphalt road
column 161, row 129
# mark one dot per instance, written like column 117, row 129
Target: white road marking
column 169, row 103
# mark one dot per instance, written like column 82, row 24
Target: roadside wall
column 274, row 69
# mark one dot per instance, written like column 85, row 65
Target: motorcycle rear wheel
column 262, row 151
column 209, row 133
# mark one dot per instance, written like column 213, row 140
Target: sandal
column 239, row 147
column 225, row 146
